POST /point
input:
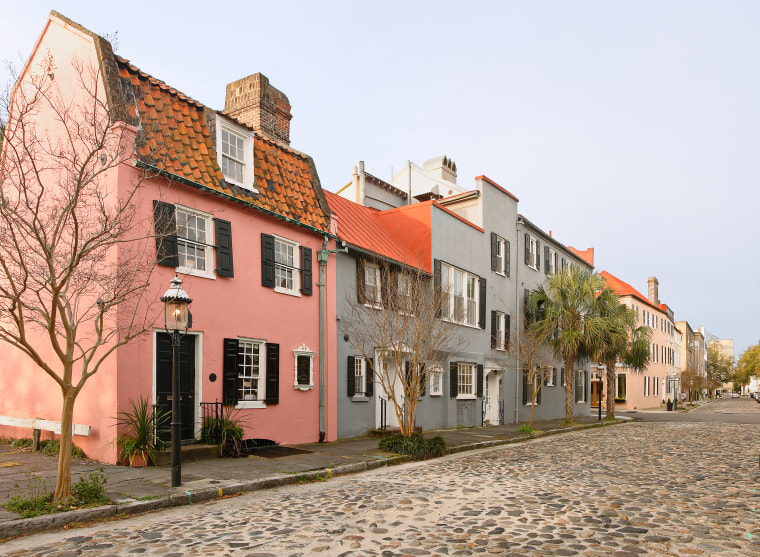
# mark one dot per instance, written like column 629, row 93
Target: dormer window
column 235, row 153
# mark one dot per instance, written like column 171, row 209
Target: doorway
column 186, row 383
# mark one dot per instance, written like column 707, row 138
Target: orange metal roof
column 174, row 137
column 622, row 288
column 401, row 234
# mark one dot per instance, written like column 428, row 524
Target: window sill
column 245, row 404
column 359, row 398
column 373, row 306
column 466, row 397
column 303, row 387
column 294, row 293
column 196, row 273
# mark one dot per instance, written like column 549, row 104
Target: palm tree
column 564, row 310
column 621, row 341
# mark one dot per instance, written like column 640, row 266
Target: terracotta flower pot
column 138, row 460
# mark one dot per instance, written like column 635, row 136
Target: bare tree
column 397, row 314
column 533, row 360
column 75, row 260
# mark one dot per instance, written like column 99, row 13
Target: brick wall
column 254, row 102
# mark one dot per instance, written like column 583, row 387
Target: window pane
column 249, row 372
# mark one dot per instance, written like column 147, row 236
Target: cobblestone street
column 636, row 489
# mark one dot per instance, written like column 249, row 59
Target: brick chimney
column 254, row 102
column 653, row 294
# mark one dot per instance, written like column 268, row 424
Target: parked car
column 734, row 395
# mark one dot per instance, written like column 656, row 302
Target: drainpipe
column 322, row 257
column 518, row 372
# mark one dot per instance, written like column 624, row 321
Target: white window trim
column 248, row 175
column 296, row 290
column 450, row 269
column 303, row 350
column 435, row 372
column 552, row 261
column 248, row 404
column 580, row 375
column 365, row 370
column 377, row 303
column 534, row 253
column 550, row 378
column 503, row 245
column 501, row 318
column 209, row 254
column 474, row 383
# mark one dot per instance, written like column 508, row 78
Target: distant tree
column 749, row 365
column 396, row 315
column 620, row 341
column 564, row 311
column 74, row 257
column 720, row 367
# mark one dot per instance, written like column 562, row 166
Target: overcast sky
column 627, row 126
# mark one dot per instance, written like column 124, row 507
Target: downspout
column 517, row 299
column 322, row 257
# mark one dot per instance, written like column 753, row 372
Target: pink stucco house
column 241, row 217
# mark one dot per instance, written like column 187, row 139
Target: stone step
column 190, row 453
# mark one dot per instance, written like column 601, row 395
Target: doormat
column 276, row 451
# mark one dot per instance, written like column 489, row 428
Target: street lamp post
column 176, row 321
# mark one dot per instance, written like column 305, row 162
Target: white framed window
column 360, row 377
column 656, row 386
column 646, row 385
column 235, row 153
column 654, row 353
column 550, row 377
column 372, row 285
column 465, row 380
column 251, row 373
column 552, row 268
column 562, row 380
column 303, row 379
column 501, row 255
column 580, row 385
column 287, row 278
column 654, row 321
column 620, row 386
column 404, row 291
column 499, row 330
column 533, row 259
column 460, row 289
column 194, row 251
column 435, row 381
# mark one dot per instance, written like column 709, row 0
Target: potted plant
column 139, row 443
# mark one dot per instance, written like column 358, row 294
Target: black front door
column 186, row 382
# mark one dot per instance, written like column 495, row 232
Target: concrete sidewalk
column 136, row 490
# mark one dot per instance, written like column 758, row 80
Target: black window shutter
column 305, row 271
column 360, row 294
column 351, row 388
column 273, row 373
column 507, row 333
column 482, row 303
column 480, row 381
column 423, row 380
column 494, row 322
column 494, row 248
column 165, row 225
column 388, row 286
column 369, row 374
column 407, row 376
column 525, row 386
column 223, row 241
column 230, row 371
column 527, row 249
column 437, row 286
column 538, row 255
column 507, row 255
column 267, row 260
column 526, row 296
column 539, row 386
column 453, row 379
column 546, row 260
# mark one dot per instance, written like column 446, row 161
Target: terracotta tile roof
column 587, row 254
column 175, row 138
column 397, row 234
column 622, row 288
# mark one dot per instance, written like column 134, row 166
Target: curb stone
column 181, row 496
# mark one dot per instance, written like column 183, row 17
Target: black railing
column 501, row 412
column 211, row 410
column 383, row 413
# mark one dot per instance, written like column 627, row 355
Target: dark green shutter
column 527, row 249
column 453, row 379
column 360, row 293
column 230, row 371
column 267, row 260
column 538, row 255
column 305, row 271
column 437, row 287
column 165, row 225
column 494, row 249
column 525, row 386
column 369, row 373
column 546, row 260
column 539, row 386
column 223, row 241
column 507, row 332
column 423, row 380
column 350, row 377
column 273, row 373
column 480, row 381
column 482, row 303
column 507, row 255
column 494, row 322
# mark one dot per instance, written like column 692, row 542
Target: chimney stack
column 654, row 294
column 254, row 102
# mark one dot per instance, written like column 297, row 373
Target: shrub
column 416, row 446
column 90, row 489
column 225, row 430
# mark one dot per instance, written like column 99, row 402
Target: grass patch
column 88, row 491
column 416, row 446
column 47, row 447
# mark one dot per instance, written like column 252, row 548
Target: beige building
column 693, row 359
